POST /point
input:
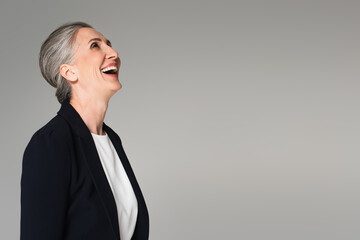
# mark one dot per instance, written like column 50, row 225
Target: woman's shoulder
column 57, row 125
column 56, row 132
column 47, row 156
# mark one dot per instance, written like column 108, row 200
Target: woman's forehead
column 84, row 35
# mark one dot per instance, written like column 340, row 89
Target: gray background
column 240, row 118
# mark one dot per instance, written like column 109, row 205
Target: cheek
column 95, row 58
column 91, row 58
column 90, row 64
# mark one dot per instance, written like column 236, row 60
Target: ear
column 68, row 72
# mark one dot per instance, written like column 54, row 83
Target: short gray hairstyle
column 56, row 50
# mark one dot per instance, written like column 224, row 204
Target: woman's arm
column 44, row 187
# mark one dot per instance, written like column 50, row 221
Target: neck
column 92, row 111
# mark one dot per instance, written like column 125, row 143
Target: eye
column 94, row 45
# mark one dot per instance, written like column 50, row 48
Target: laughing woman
column 76, row 181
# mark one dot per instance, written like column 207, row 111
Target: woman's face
column 96, row 63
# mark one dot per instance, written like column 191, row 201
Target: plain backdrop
column 240, row 118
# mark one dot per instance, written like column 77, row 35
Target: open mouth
column 110, row 70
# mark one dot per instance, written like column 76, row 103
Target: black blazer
column 65, row 194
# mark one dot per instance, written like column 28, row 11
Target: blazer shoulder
column 57, row 126
column 55, row 135
column 48, row 155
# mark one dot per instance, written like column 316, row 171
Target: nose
column 111, row 53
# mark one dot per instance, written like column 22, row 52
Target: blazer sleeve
column 44, row 187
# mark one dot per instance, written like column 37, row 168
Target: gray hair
column 56, row 50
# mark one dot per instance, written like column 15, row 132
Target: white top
column 124, row 195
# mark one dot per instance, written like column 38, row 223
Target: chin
column 119, row 86
column 115, row 87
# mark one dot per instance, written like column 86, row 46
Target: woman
column 76, row 180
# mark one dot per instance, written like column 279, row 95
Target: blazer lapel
column 89, row 152
column 142, row 222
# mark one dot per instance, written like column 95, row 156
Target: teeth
column 109, row 68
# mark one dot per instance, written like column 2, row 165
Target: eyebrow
column 99, row 40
